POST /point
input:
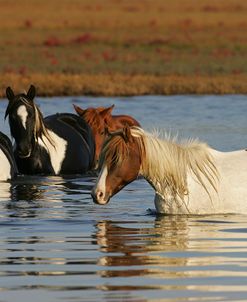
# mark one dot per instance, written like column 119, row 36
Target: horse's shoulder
column 5, row 142
column 7, row 148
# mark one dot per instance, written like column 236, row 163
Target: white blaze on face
column 22, row 113
column 100, row 186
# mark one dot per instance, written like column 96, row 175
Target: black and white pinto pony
column 8, row 167
column 58, row 144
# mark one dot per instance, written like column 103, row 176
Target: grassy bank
column 124, row 47
column 125, row 85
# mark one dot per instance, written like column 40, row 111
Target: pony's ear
column 126, row 133
column 10, row 94
column 31, row 92
column 111, row 107
column 106, row 112
column 78, row 110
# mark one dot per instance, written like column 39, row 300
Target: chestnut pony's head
column 95, row 117
column 120, row 163
column 100, row 119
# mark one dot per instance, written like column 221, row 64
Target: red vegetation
column 109, row 56
column 28, row 23
column 54, row 61
column 160, row 41
column 222, row 53
column 131, row 9
column 23, row 70
column 237, row 71
column 83, row 39
column 210, row 8
column 52, row 42
column 8, row 69
column 87, row 54
column 186, row 22
column 153, row 23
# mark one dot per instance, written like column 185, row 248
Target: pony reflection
column 131, row 246
column 171, row 248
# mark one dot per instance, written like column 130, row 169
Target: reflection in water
column 150, row 258
column 32, row 188
column 31, row 196
column 47, row 230
column 5, row 191
column 134, row 245
column 176, row 254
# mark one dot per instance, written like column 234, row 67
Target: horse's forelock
column 92, row 117
column 116, row 148
column 114, row 151
column 22, row 98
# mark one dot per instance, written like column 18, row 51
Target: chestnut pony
column 188, row 177
column 101, row 121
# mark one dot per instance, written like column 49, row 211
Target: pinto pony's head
column 25, row 120
column 120, row 163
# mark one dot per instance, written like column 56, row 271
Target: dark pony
column 8, row 167
column 58, row 144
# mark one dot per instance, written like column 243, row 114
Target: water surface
column 56, row 245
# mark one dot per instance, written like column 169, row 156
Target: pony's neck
column 166, row 202
column 164, row 165
column 167, row 166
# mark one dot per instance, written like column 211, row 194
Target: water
column 56, row 245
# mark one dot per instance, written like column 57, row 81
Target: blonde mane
column 165, row 161
column 114, row 150
column 40, row 128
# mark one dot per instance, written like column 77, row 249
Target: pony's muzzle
column 23, row 154
column 99, row 197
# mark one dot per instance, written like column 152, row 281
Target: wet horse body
column 102, row 121
column 8, row 168
column 188, row 178
column 59, row 144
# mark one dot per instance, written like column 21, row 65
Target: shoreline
column 60, row 84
